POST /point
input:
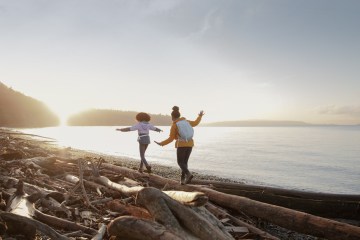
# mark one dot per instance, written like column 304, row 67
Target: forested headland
column 106, row 117
column 20, row 111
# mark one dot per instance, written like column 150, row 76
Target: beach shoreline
column 49, row 147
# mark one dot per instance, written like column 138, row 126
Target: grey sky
column 285, row 60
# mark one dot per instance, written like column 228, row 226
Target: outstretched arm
column 170, row 138
column 155, row 129
column 198, row 119
column 127, row 129
column 158, row 130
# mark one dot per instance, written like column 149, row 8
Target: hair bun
column 175, row 108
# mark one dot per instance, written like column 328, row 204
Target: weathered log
column 204, row 213
column 216, row 185
column 11, row 182
column 132, row 228
column 101, row 233
column 195, row 199
column 288, row 218
column 36, row 162
column 188, row 198
column 117, row 206
column 284, row 217
column 221, row 213
column 36, row 225
column 62, row 223
column 54, row 205
column 127, row 191
column 162, row 207
column 156, row 204
column 21, row 210
column 97, row 187
column 322, row 204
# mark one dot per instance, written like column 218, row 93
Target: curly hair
column 143, row 117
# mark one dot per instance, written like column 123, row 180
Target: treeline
column 105, row 117
column 20, row 111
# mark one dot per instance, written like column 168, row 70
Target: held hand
column 157, row 143
column 201, row 113
column 118, row 129
column 159, row 130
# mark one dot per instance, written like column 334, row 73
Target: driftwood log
column 284, row 217
column 20, row 212
column 321, row 204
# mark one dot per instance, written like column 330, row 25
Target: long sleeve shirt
column 174, row 134
column 143, row 128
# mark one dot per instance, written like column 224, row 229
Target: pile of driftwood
column 47, row 195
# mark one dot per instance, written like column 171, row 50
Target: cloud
column 351, row 110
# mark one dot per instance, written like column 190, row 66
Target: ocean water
column 320, row 159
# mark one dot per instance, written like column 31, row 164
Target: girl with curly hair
column 143, row 127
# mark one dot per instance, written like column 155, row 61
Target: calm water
column 325, row 159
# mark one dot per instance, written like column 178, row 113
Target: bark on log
column 163, row 208
column 10, row 182
column 195, row 199
column 101, row 233
column 17, row 219
column 127, row 191
column 122, row 209
column 219, row 212
column 202, row 211
column 287, row 218
column 284, row 217
column 322, row 204
column 36, row 162
column 132, row 228
column 62, row 223
column 21, row 210
column 54, row 205
column 188, row 198
column 216, row 185
column 97, row 187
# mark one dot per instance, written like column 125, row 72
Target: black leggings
column 183, row 154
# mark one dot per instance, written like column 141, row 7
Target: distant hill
column 105, row 117
column 256, row 123
column 19, row 110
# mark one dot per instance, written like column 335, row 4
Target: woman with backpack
column 181, row 130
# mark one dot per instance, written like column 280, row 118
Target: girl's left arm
column 152, row 127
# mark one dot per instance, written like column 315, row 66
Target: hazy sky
column 236, row 60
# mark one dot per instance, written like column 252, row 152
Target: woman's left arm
column 198, row 119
